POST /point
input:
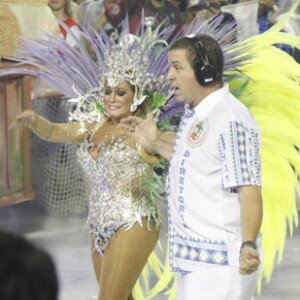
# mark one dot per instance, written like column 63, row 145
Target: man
column 160, row 10
column 265, row 10
column 215, row 205
column 210, row 11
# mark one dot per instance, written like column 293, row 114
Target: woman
column 63, row 11
column 122, row 214
column 125, row 77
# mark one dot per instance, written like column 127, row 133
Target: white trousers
column 216, row 283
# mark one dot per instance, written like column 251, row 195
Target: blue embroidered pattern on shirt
column 239, row 152
column 241, row 148
column 188, row 254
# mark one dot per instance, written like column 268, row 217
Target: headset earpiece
column 204, row 71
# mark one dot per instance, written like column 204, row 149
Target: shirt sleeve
column 239, row 148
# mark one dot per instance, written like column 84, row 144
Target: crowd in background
column 108, row 14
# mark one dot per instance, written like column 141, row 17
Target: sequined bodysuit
column 119, row 179
column 119, row 187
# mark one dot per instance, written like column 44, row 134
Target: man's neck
column 205, row 92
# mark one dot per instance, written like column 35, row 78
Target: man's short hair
column 212, row 50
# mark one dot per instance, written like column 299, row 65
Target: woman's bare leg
column 96, row 259
column 123, row 261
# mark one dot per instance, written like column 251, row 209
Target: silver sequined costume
column 119, row 186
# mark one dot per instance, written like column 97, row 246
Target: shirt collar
column 209, row 102
column 188, row 111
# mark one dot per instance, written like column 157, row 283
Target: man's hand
column 249, row 260
column 144, row 131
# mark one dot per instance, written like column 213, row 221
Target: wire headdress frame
column 135, row 59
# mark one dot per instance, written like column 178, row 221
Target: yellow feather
column 270, row 88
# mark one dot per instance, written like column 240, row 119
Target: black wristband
column 251, row 244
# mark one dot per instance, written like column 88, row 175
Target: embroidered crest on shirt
column 198, row 133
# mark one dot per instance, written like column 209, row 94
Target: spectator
column 102, row 14
column 62, row 10
column 160, row 10
column 194, row 9
column 74, row 8
column 114, row 12
column 26, row 271
column 182, row 6
column 292, row 26
column 265, row 8
column 211, row 11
